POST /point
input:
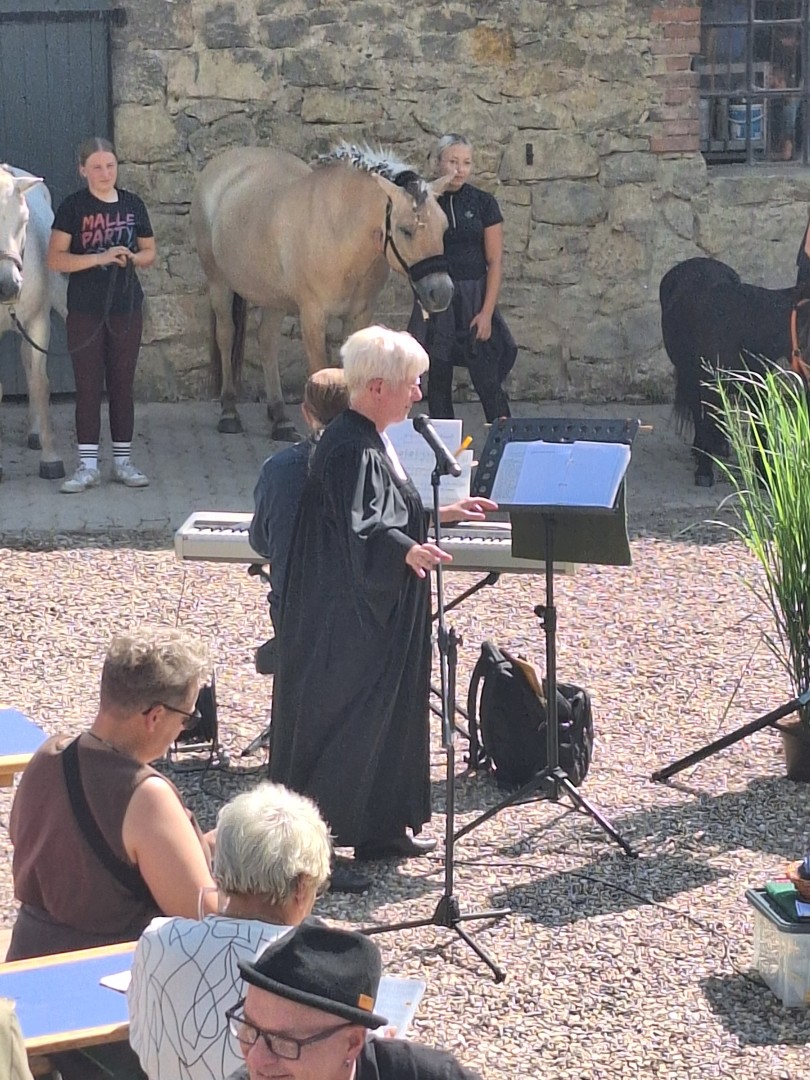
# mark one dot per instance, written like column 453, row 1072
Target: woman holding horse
column 101, row 233
column 350, row 701
column 472, row 332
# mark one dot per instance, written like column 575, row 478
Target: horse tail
column 239, row 315
column 239, row 318
column 678, row 295
column 687, row 396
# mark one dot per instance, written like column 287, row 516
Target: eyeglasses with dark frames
column 190, row 719
column 283, row 1046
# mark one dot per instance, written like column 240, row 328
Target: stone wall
column 584, row 117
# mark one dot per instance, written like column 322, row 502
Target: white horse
column 28, row 290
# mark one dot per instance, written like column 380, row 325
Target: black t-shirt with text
column 469, row 211
column 95, row 226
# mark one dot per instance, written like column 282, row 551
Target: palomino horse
column 712, row 321
column 28, row 290
column 318, row 242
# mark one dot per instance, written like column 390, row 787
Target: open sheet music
column 576, row 475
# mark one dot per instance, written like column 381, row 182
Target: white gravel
column 615, row 967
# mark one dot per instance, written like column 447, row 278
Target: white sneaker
column 81, row 480
column 130, row 476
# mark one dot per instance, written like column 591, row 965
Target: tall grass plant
column 766, row 420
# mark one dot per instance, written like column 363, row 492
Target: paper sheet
column 119, row 981
column 418, row 459
column 579, row 474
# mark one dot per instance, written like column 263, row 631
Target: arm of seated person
column 161, row 841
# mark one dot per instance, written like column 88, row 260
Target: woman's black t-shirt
column 469, row 211
column 95, row 226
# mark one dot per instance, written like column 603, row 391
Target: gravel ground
column 616, row 967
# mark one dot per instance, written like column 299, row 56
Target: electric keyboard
column 476, row 546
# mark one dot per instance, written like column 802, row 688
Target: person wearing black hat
column 309, row 1007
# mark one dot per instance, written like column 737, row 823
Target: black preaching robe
column 350, row 700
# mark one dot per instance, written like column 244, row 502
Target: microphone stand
column 448, row 912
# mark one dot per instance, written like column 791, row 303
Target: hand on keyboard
column 471, row 508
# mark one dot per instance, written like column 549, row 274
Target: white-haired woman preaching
column 350, row 702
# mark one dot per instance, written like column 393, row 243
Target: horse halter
column 12, row 257
column 433, row 264
column 797, row 361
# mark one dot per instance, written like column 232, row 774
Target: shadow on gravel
column 612, row 886
column 747, row 1009
column 695, row 834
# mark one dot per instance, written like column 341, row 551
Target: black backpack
column 511, row 718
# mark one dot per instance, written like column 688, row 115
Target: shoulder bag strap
column 477, row 759
column 125, row 875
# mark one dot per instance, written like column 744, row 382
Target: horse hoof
column 51, row 470
column 285, row 433
column 34, row 442
column 229, row 425
column 701, row 480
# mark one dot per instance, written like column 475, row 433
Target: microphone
column 445, row 459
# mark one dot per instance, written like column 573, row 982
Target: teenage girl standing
column 101, row 233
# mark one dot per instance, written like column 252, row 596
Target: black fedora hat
column 336, row 971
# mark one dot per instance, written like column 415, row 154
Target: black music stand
column 566, row 499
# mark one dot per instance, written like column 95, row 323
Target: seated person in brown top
column 138, row 852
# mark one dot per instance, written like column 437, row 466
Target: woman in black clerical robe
column 350, row 701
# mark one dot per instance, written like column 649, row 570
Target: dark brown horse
column 712, row 321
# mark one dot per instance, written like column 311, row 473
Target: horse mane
column 380, row 161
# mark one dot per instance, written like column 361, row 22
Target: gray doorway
column 54, row 92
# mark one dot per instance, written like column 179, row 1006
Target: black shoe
column 347, row 880
column 401, row 847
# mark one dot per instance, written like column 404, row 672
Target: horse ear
column 391, row 190
column 24, row 183
column 439, row 185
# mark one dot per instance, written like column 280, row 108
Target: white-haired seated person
column 271, row 861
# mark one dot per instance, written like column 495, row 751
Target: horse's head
column 13, row 226
column 415, row 225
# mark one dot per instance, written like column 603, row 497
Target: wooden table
column 60, row 1003
column 62, row 1006
column 19, row 738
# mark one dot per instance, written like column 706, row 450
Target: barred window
column 754, row 103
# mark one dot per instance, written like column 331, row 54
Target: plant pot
column 796, row 741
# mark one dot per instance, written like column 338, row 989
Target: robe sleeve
column 263, row 493
column 371, row 518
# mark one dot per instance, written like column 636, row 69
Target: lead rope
column 129, row 286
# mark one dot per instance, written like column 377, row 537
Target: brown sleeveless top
column 55, row 870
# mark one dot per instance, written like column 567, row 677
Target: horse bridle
column 797, row 361
column 433, row 264
column 12, row 257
